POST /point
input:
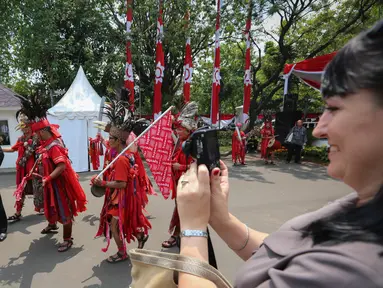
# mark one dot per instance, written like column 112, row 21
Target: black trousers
column 294, row 149
column 3, row 218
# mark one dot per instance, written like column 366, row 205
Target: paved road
column 264, row 197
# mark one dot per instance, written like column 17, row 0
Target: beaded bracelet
column 194, row 233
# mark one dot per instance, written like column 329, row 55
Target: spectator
column 296, row 139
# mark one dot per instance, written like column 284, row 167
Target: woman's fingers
column 224, row 170
column 215, row 180
column 204, row 178
column 193, row 169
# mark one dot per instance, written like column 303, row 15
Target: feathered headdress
column 34, row 108
column 121, row 119
column 187, row 118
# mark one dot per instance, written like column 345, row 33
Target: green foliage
column 309, row 153
column 225, row 138
column 310, row 136
column 43, row 44
column 320, row 153
column 232, row 73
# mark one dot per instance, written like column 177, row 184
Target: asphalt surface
column 262, row 196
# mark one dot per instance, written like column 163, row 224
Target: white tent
column 75, row 113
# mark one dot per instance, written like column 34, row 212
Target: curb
column 7, row 171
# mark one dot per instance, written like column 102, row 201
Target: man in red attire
column 122, row 212
column 25, row 146
column 184, row 124
column 267, row 133
column 64, row 197
column 238, row 142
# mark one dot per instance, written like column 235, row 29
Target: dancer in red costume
column 64, row 197
column 184, row 125
column 238, row 142
column 122, row 213
column 26, row 146
column 109, row 155
column 267, row 133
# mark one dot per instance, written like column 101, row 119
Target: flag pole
column 134, row 141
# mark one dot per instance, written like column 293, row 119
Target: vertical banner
column 188, row 65
column 128, row 78
column 160, row 64
column 247, row 78
column 214, row 112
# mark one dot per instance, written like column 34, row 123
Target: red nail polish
column 216, row 172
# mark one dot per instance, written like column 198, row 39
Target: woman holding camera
column 340, row 245
column 184, row 125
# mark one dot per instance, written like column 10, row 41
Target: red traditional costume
column 178, row 157
column 185, row 124
column 108, row 157
column 267, row 133
column 25, row 146
column 238, row 142
column 123, row 204
column 64, row 197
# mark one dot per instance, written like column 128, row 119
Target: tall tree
column 306, row 29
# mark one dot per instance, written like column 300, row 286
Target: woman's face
column 354, row 128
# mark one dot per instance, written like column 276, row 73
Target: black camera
column 203, row 145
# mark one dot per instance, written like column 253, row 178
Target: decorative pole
column 214, row 113
column 160, row 65
column 128, row 78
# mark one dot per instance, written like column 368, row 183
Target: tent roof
column 81, row 101
column 310, row 70
column 7, row 98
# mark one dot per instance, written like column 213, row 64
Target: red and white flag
column 247, row 78
column 188, row 71
column 157, row 146
column 128, row 78
column 160, row 66
column 188, row 66
column 214, row 112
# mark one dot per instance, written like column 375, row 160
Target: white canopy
column 79, row 102
column 75, row 113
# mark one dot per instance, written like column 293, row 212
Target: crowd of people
column 295, row 141
column 44, row 171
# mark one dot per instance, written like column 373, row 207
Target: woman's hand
column 193, row 198
column 219, row 208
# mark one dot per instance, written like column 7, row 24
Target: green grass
column 224, row 149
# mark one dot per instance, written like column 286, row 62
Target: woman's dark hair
column 358, row 65
column 363, row 223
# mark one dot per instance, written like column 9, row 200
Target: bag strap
column 181, row 264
